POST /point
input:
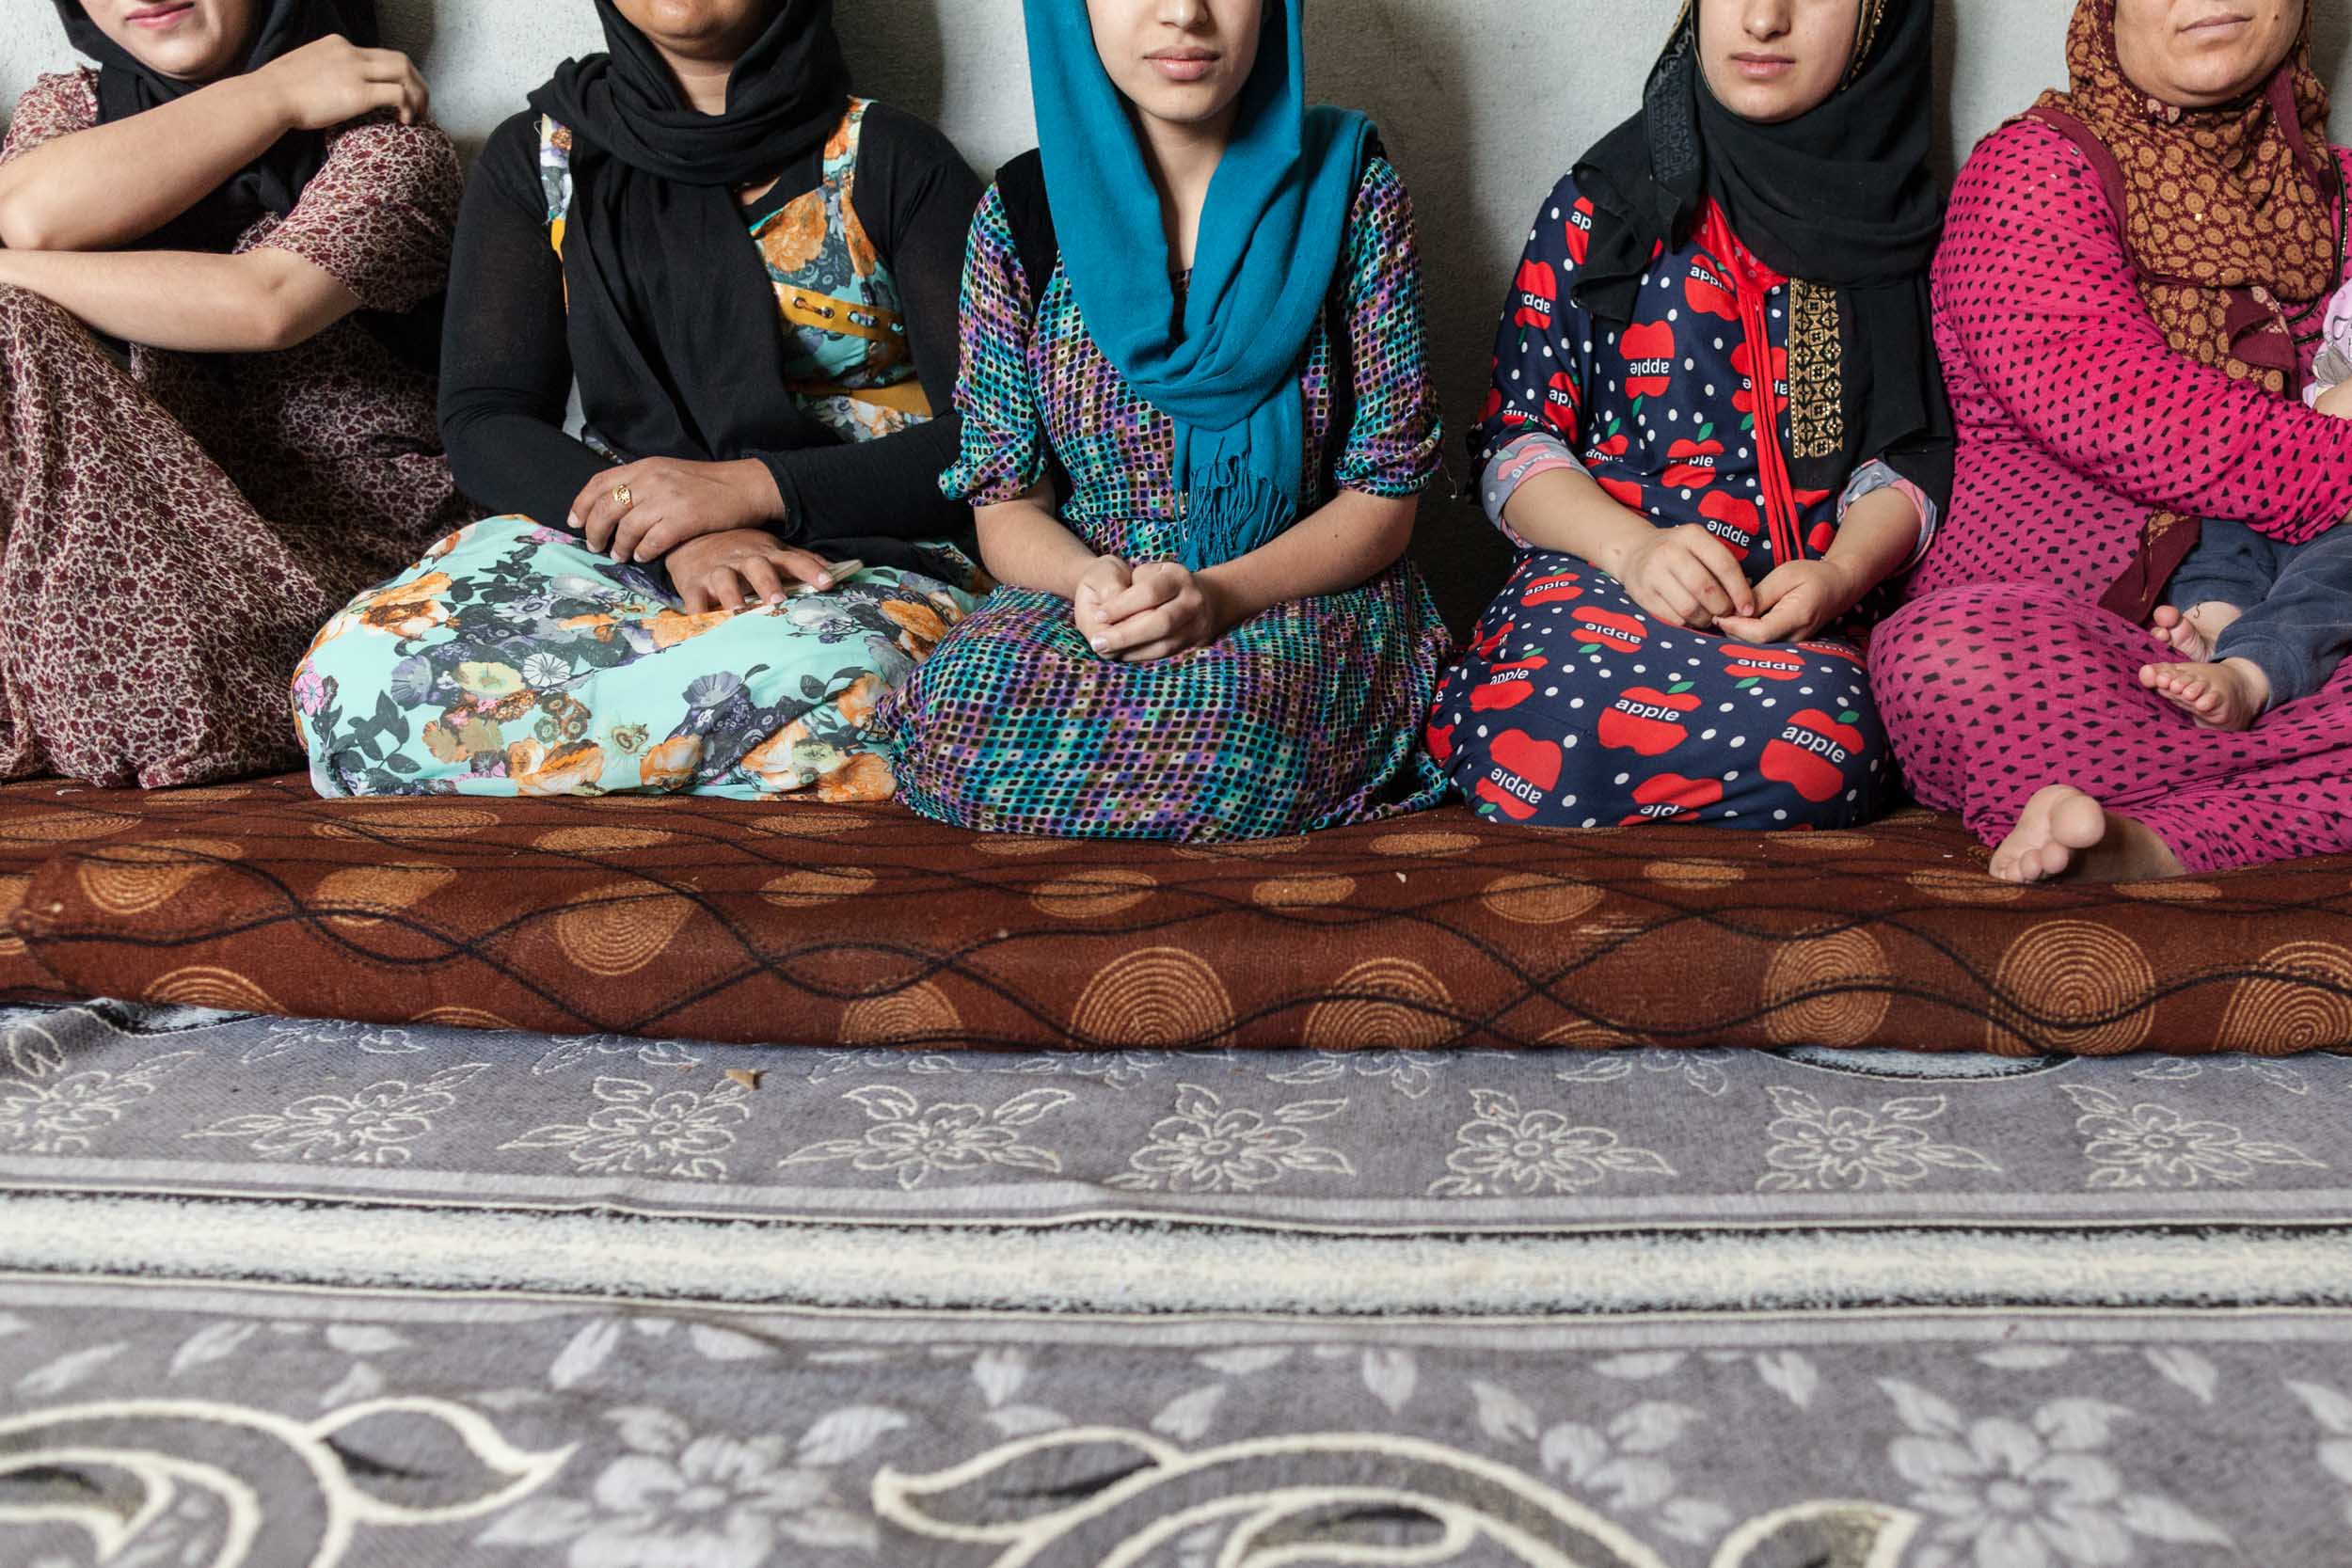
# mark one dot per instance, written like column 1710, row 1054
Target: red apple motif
column 1560, row 405
column 1538, row 290
column 1649, row 358
column 1441, row 742
column 1623, row 491
column 1491, row 644
column 1749, row 664
column 1667, row 795
column 1707, row 290
column 1812, row 754
column 1507, row 685
column 1581, row 229
column 1824, row 534
column 1557, row 588
column 1494, row 404
column 1834, row 650
column 1733, row 521
column 1743, row 365
column 1648, row 720
column 1691, row 465
column 1522, row 771
column 1614, row 442
column 1607, row 630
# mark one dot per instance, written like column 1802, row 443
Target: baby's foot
column 2229, row 695
column 2063, row 831
column 2193, row 634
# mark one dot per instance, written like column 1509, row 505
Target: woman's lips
column 1763, row 68
column 1183, row 67
column 159, row 17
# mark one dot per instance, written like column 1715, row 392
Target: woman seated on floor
column 1197, row 416
column 2129, row 298
column 752, row 274
column 249, row 194
column 1715, row 428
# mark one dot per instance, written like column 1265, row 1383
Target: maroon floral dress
column 175, row 530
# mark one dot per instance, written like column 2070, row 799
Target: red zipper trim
column 1752, row 282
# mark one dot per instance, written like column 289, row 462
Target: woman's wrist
column 262, row 95
column 763, row 498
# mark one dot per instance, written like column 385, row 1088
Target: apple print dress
column 1572, row 706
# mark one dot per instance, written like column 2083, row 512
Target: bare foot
column 2229, row 695
column 2064, row 832
column 2193, row 634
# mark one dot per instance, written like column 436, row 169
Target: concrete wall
column 1482, row 102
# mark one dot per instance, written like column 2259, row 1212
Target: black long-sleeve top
column 506, row 370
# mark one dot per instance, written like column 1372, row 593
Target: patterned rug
column 278, row 1293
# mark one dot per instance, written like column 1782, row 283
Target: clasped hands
column 1142, row 613
column 707, row 522
column 1687, row 577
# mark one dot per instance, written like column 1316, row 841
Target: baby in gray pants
column 2263, row 623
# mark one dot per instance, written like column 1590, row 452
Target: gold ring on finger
column 622, row 495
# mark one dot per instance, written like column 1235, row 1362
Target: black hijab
column 1840, row 198
column 676, row 340
column 270, row 184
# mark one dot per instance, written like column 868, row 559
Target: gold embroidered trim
column 1817, row 373
column 1865, row 33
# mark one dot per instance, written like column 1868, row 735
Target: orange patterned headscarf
column 2228, row 212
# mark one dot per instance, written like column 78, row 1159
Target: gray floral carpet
column 298, row 1295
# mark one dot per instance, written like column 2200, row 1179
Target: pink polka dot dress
column 2076, row 420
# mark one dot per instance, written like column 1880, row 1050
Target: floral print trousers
column 515, row 661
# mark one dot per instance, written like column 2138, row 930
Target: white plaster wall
column 1482, row 102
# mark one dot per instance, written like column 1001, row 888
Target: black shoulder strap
column 1021, row 186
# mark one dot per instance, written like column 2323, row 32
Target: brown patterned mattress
column 818, row 924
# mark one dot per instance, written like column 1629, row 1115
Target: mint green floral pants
column 515, row 661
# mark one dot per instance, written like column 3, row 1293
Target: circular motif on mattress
column 1829, row 842
column 1242, row 848
column 1423, row 846
column 205, row 792
column 12, row 888
column 806, row 822
column 922, row 1011
column 2170, row 891
column 576, row 841
column 422, row 823
column 61, row 826
column 1014, row 847
column 1693, row 873
column 364, row 894
column 1093, row 892
column 620, row 927
column 638, row 799
column 1960, row 884
column 1799, row 1011
column 1302, row 893
column 136, row 878
column 2083, row 987
column 2271, row 1015
column 465, row 1018
column 1539, row 898
column 201, row 986
column 1588, row 1035
column 1383, row 1004
column 1157, row 997
column 818, row 885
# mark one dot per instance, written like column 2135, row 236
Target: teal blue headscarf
column 1226, row 371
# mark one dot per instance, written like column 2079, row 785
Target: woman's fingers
column 727, row 588
column 1148, row 591
column 1700, row 583
column 1152, row 652
column 1715, row 556
column 766, row 580
column 598, row 507
column 1135, row 631
column 807, row 566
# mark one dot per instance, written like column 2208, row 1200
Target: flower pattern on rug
column 1506, row 1150
column 913, row 1142
column 679, row 1499
column 2151, row 1145
column 1209, row 1146
column 61, row 1115
column 641, row 1130
column 373, row 1127
column 2034, row 1492
column 1820, row 1147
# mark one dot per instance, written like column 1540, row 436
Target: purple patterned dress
column 1306, row 716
